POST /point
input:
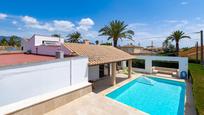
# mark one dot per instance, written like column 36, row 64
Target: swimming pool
column 152, row 95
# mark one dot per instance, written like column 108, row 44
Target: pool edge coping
column 111, row 89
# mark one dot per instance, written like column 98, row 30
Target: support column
column 123, row 64
column 129, row 68
column 148, row 65
column 113, row 75
column 109, row 70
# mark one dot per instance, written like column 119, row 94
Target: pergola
column 182, row 61
column 101, row 54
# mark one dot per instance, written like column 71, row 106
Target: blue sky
column 152, row 20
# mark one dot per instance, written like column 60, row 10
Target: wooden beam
column 129, row 68
column 113, row 69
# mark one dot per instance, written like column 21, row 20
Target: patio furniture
column 163, row 70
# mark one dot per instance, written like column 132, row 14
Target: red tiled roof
column 99, row 54
column 20, row 58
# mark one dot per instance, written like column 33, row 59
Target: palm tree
column 4, row 42
column 115, row 30
column 177, row 36
column 74, row 37
column 14, row 41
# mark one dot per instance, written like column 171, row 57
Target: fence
column 24, row 81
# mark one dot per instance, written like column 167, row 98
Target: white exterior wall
column 79, row 68
column 26, row 81
column 28, row 44
column 183, row 62
column 48, row 50
column 51, row 50
column 37, row 40
column 93, row 72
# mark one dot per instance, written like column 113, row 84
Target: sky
column 151, row 20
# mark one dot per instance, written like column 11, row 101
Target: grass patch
column 197, row 72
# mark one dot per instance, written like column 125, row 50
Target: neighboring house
column 43, row 45
column 136, row 50
column 154, row 49
column 132, row 49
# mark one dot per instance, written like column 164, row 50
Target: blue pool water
column 152, row 95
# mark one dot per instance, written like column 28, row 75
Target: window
column 167, row 64
column 138, row 63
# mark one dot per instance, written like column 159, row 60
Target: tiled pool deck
column 97, row 104
column 93, row 104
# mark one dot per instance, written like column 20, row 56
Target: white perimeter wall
column 24, row 81
column 182, row 61
column 93, row 72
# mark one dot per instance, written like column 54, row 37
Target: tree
column 14, row 41
column 4, row 42
column 177, row 36
column 74, row 37
column 116, row 30
column 96, row 42
column 56, row 35
column 168, row 47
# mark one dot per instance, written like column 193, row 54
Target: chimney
column 59, row 54
column 86, row 42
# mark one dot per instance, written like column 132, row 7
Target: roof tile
column 99, row 54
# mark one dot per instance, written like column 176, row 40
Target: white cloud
column 19, row 28
column 198, row 18
column 45, row 26
column 29, row 20
column 34, row 23
column 137, row 24
column 3, row 16
column 63, row 25
column 85, row 24
column 171, row 21
column 56, row 25
column 14, row 22
column 184, row 3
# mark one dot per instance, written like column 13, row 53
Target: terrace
column 98, row 103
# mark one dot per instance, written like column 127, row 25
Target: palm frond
column 116, row 30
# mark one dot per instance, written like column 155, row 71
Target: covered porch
column 104, row 84
column 103, row 60
column 109, row 72
column 149, row 67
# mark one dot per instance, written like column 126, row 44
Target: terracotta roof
column 99, row 54
column 20, row 58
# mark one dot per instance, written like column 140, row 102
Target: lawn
column 197, row 72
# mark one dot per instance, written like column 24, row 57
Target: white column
column 123, row 64
column 113, row 75
column 129, row 68
column 148, row 65
column 183, row 65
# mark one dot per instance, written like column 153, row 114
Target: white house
column 44, row 45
